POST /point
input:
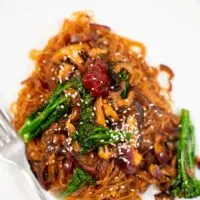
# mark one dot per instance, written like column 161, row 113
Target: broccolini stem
column 34, row 127
column 182, row 143
column 59, row 112
column 185, row 184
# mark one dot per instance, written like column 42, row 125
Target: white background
column 170, row 29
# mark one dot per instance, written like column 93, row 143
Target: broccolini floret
column 90, row 135
column 79, row 179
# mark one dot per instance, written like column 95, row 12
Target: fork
column 12, row 150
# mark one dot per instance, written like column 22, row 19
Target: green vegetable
column 99, row 136
column 79, row 179
column 57, row 105
column 123, row 76
column 185, row 184
column 124, row 93
column 117, row 78
column 91, row 136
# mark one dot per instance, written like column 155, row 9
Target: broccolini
column 79, row 179
column 186, row 185
column 117, row 78
column 91, row 136
column 56, row 107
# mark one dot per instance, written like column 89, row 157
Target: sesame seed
column 61, row 67
column 111, row 189
column 152, row 127
column 112, row 119
column 151, row 105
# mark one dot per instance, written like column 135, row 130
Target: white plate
column 170, row 29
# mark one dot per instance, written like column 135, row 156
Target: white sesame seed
column 111, row 189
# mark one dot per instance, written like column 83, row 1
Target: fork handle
column 29, row 177
column 33, row 181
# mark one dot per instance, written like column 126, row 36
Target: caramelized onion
column 129, row 160
column 164, row 196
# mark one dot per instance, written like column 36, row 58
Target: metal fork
column 12, row 150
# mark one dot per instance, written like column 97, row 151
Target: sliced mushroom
column 160, row 149
column 155, row 171
column 94, row 52
column 100, row 118
column 126, row 102
column 105, row 153
column 71, row 52
column 110, row 112
column 70, row 128
column 66, row 71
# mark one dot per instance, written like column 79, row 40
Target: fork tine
column 4, row 137
column 5, row 122
column 6, row 115
column 1, row 141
